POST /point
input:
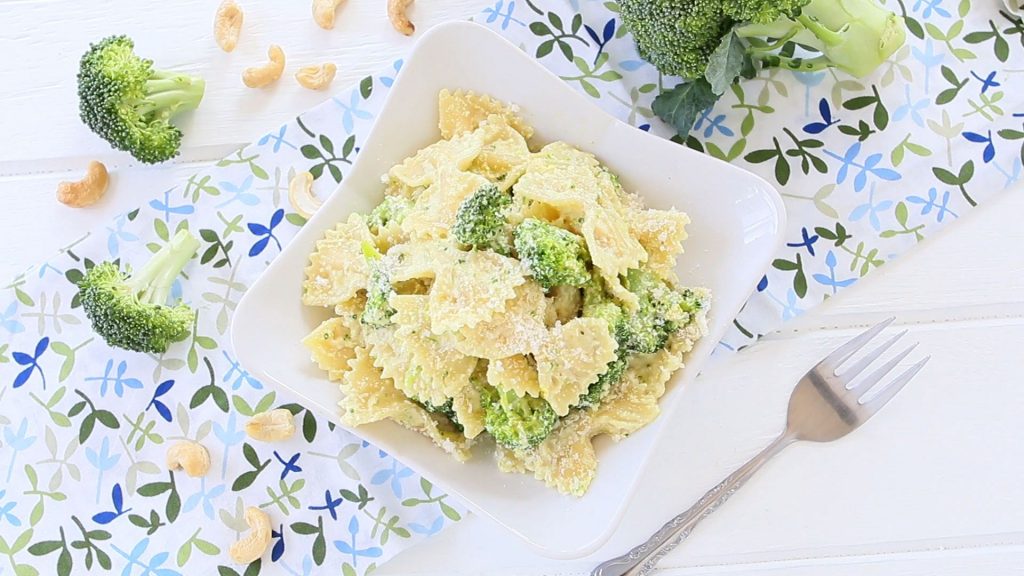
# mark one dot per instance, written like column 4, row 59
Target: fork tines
column 885, row 392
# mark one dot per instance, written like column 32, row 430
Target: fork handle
column 641, row 559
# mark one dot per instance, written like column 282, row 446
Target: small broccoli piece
column 597, row 391
column 662, row 311
column 447, row 410
column 391, row 210
column 516, row 423
column 554, row 256
column 131, row 311
column 378, row 310
column 597, row 304
column 128, row 103
column 481, row 220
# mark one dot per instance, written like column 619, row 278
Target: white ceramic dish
column 737, row 225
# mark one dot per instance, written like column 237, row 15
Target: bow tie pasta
column 506, row 291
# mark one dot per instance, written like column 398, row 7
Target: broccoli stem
column 852, row 35
column 170, row 93
column 823, row 33
column 754, row 50
column 782, row 28
column 152, row 283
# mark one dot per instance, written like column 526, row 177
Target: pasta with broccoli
column 504, row 292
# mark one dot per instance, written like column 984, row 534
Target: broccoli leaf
column 681, row 105
column 728, row 62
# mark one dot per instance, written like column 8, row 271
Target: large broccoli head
column 554, row 256
column 131, row 311
column 514, row 422
column 679, row 36
column 129, row 104
column 481, row 220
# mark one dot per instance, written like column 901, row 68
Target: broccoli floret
column 516, row 423
column 128, row 103
column 662, row 311
column 131, row 311
column 598, row 304
column 481, row 220
column 679, row 36
column 392, row 209
column 378, row 311
column 554, row 256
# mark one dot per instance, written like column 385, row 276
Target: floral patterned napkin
column 868, row 168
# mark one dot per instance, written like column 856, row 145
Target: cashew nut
column 271, row 426
column 323, row 12
column 396, row 13
column 250, row 548
column 86, row 191
column 260, row 76
column 300, row 194
column 189, row 456
column 316, row 77
column 227, row 25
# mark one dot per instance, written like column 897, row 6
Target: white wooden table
column 931, row 487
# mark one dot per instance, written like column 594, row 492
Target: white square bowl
column 738, row 221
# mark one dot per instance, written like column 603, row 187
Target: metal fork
column 825, row 405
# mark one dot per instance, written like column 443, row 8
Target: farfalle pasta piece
column 462, row 111
column 337, row 270
column 418, row 259
column 612, row 248
column 381, row 342
column 571, row 359
column 661, row 233
column 558, row 177
column 421, row 169
column 332, row 344
column 630, row 406
column 468, row 411
column 517, row 329
column 515, row 373
column 472, row 288
column 434, row 370
column 504, row 154
column 369, row 397
column 433, row 214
